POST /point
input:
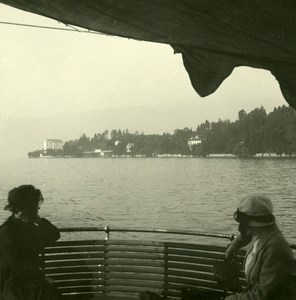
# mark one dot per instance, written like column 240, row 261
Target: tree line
column 252, row 133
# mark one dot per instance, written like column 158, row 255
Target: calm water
column 195, row 194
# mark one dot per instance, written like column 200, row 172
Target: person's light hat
column 258, row 210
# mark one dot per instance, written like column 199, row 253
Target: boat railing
column 121, row 268
column 108, row 230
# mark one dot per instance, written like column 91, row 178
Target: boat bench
column 121, row 269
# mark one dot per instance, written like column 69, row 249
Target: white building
column 54, row 144
column 129, row 147
column 194, row 141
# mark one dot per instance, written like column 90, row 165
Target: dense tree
column 35, row 154
column 280, row 131
column 255, row 130
column 71, row 148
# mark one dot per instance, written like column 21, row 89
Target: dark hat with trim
column 23, row 197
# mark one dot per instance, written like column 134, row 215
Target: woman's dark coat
column 21, row 275
column 272, row 272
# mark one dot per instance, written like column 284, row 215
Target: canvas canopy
column 213, row 36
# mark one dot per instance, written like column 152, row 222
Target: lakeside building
column 196, row 140
column 53, row 144
column 129, row 147
column 97, row 153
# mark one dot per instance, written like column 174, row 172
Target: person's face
column 28, row 215
column 242, row 229
column 32, row 213
column 247, row 230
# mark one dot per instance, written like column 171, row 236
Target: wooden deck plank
column 73, row 269
column 193, row 260
column 71, row 256
column 195, row 253
column 77, row 243
column 74, row 249
column 212, row 248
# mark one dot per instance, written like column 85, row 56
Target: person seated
column 23, row 237
column 269, row 263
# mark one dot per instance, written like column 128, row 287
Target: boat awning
column 213, row 36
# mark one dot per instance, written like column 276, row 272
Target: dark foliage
column 252, row 133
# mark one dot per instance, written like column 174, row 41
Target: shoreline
column 167, row 156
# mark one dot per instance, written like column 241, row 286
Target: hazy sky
column 47, row 72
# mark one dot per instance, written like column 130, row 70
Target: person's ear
column 18, row 214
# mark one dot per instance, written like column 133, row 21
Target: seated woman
column 269, row 263
column 23, row 237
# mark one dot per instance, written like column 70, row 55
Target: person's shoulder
column 45, row 221
column 279, row 239
column 50, row 232
column 279, row 244
column 3, row 228
column 6, row 227
column 46, row 224
column 6, row 224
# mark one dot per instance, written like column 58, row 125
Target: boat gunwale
column 107, row 230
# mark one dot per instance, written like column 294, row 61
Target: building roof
column 54, row 140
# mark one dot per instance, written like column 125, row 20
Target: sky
column 49, row 73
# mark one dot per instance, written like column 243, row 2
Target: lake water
column 180, row 193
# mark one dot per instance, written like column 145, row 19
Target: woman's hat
column 23, row 197
column 255, row 211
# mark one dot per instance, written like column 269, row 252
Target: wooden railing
column 121, row 269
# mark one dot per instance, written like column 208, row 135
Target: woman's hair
column 24, row 198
